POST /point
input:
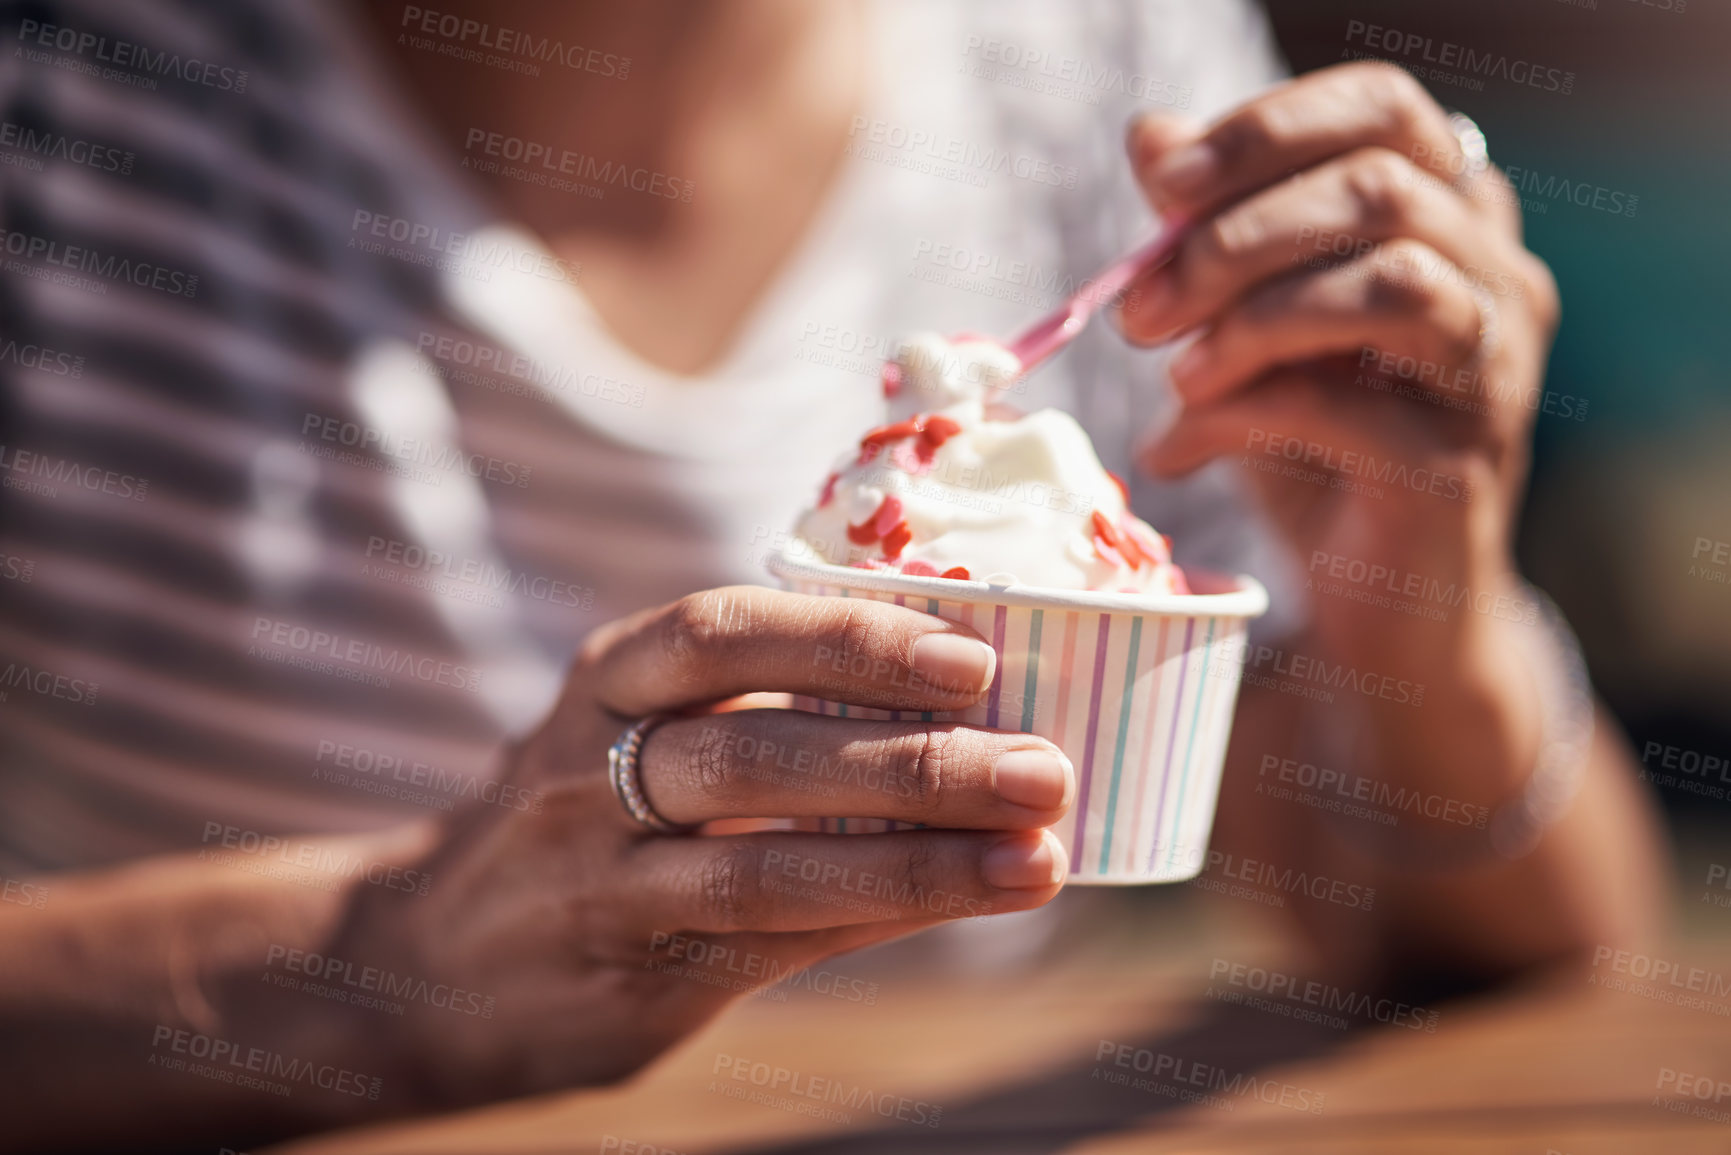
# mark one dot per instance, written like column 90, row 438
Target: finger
column 1152, row 135
column 791, row 764
column 793, row 882
column 724, row 642
column 1297, row 125
column 1404, row 298
column 1301, row 425
column 1339, row 211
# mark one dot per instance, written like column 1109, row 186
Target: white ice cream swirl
column 951, row 492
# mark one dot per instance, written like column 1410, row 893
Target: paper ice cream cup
column 1137, row 689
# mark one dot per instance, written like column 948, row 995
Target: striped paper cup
column 1137, row 689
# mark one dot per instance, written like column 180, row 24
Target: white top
column 985, row 179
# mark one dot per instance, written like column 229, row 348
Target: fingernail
column 1017, row 864
column 1036, row 778
column 954, row 664
column 1186, row 170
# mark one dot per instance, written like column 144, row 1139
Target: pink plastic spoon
column 1052, row 332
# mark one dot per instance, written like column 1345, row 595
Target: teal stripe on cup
column 1034, row 624
column 1123, row 740
column 1190, row 742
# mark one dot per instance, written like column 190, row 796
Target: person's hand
column 565, row 917
column 1369, row 333
column 1369, row 339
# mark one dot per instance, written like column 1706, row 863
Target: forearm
column 152, row 982
column 1403, row 809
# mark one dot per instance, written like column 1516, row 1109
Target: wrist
column 1469, row 726
column 321, row 1003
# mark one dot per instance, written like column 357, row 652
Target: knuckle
column 1401, row 284
column 710, row 761
column 1259, row 129
column 917, row 870
column 860, row 631
column 926, row 768
column 1381, row 187
column 729, row 885
column 1230, row 235
column 1393, row 93
column 694, row 629
column 1459, row 321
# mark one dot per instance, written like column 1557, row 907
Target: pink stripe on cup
column 1092, row 736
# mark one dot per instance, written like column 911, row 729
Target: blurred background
column 1624, row 495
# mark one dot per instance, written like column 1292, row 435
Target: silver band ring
column 627, row 777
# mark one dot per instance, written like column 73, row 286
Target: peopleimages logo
column 479, row 573
column 81, row 259
column 1285, row 879
column 230, row 1062
column 1276, row 985
column 397, row 777
column 1192, row 1080
column 436, row 455
column 38, row 473
column 950, row 157
column 459, row 32
column 371, row 980
column 543, row 162
column 126, row 54
column 57, row 146
column 356, row 655
column 803, row 1094
column 1472, row 64
column 232, row 841
column 1038, row 69
column 439, row 247
column 41, row 357
column 1372, row 583
column 1376, row 792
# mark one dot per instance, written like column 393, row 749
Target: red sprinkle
column 932, row 432
column 1122, row 488
column 1106, row 531
column 1107, row 542
column 828, row 494
column 1132, row 547
column 956, row 572
column 889, row 514
column 897, row 540
column 884, row 434
column 937, row 429
column 873, row 442
column 914, row 567
column 1152, row 547
column 892, row 378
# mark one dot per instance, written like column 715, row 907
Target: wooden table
column 1013, row 1059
